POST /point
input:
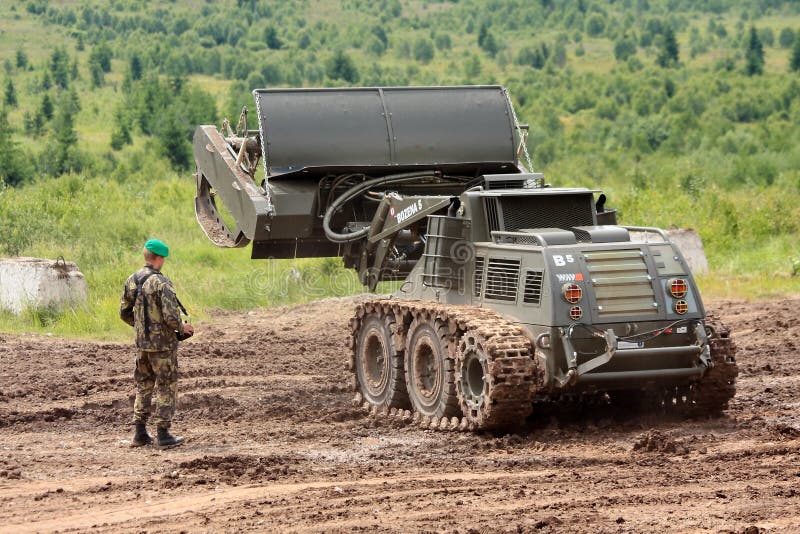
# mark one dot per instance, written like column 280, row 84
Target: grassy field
column 82, row 223
column 720, row 153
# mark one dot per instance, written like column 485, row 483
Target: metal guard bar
column 656, row 374
column 583, row 373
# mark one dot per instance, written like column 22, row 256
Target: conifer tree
column 12, row 167
column 47, row 107
column 794, row 61
column 10, row 97
column 669, row 54
column 136, row 67
column 22, row 59
column 754, row 56
column 59, row 67
column 66, row 139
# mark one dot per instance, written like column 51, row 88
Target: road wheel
column 379, row 367
column 496, row 379
column 430, row 376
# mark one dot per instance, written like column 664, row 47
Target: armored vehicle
column 511, row 292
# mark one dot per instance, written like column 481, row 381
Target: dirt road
column 273, row 444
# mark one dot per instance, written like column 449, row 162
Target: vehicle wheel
column 379, row 367
column 430, row 376
column 496, row 379
column 473, row 375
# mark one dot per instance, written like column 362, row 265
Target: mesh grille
column 533, row 287
column 491, row 214
column 540, row 211
column 516, row 238
column 505, row 184
column 478, row 278
column 502, row 279
column 582, row 235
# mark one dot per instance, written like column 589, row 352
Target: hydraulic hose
column 354, row 192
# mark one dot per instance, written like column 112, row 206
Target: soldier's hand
column 189, row 329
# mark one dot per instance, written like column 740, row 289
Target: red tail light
column 678, row 287
column 572, row 293
column 575, row 313
column 681, row 307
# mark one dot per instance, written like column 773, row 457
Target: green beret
column 158, row 247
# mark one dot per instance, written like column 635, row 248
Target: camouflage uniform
column 157, row 361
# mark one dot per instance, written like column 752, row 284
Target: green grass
column 101, row 224
column 737, row 182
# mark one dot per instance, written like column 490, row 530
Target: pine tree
column 136, row 67
column 121, row 135
column 794, row 62
column 47, row 107
column 271, row 38
column 487, row 41
column 66, row 139
column 74, row 73
column 12, row 164
column 102, row 55
column 46, row 81
column 341, row 67
column 10, row 99
column 669, row 54
column 754, row 57
column 59, row 67
column 22, row 59
column 96, row 73
column 172, row 141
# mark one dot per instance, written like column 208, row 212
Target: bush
column 423, row 50
column 786, row 38
column 340, row 66
column 595, row 25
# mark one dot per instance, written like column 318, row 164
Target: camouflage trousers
column 156, row 377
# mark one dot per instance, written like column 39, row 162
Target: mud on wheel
column 466, row 368
column 710, row 396
column 377, row 364
column 496, row 375
column 430, row 376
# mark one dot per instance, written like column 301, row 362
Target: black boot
column 141, row 437
column 166, row 440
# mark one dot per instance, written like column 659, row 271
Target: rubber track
column 514, row 375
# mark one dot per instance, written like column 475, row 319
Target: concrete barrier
column 37, row 283
column 691, row 246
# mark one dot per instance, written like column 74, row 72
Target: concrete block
column 691, row 246
column 37, row 283
column 688, row 242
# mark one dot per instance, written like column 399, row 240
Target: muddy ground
column 273, row 444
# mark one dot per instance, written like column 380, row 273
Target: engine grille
column 478, row 277
column 502, row 279
column 533, row 287
column 505, row 184
column 622, row 285
column 515, row 213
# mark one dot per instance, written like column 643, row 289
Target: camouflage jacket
column 163, row 315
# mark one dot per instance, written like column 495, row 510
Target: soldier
column 149, row 305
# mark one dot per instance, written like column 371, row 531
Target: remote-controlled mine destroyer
column 510, row 292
